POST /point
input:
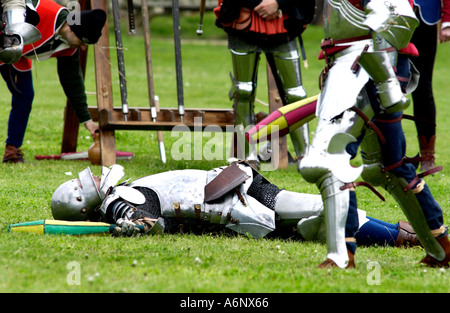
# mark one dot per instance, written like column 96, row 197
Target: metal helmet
column 77, row 199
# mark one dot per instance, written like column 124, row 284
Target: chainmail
column 151, row 207
column 120, row 208
column 263, row 191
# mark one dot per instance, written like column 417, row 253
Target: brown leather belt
column 328, row 43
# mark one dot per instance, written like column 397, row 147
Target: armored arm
column 128, row 207
column 393, row 20
column 17, row 32
column 392, row 24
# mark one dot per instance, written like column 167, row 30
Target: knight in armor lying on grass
column 233, row 197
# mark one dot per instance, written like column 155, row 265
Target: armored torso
column 181, row 195
column 183, row 188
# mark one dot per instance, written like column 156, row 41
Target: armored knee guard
column 289, row 80
column 328, row 153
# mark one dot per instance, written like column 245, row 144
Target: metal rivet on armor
column 83, row 210
column 79, row 198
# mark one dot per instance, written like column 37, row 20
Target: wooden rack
column 110, row 118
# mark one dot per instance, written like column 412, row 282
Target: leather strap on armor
column 361, row 183
column 198, row 211
column 418, row 176
column 230, row 178
column 369, row 124
column 176, row 208
column 331, row 46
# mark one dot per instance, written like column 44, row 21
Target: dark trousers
column 20, row 84
column 425, row 40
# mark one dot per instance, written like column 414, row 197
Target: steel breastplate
column 184, row 189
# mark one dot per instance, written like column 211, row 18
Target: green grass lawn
column 185, row 264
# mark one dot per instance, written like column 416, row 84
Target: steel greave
column 371, row 152
column 413, row 211
column 336, row 204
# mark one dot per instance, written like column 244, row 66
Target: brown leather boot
column 13, row 155
column 427, row 150
column 406, row 236
column 328, row 263
column 432, row 262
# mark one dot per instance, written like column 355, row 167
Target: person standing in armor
column 429, row 13
column 270, row 27
column 360, row 105
column 234, row 197
column 62, row 38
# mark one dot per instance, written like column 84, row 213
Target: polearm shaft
column 131, row 22
column 159, row 134
column 202, row 13
column 153, row 100
column 120, row 58
column 302, row 49
column 178, row 67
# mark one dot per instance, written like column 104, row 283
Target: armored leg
column 415, row 201
column 287, row 73
column 336, row 201
column 243, row 93
column 295, row 206
column 327, row 165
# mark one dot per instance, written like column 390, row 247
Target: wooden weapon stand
column 110, row 118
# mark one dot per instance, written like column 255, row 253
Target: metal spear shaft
column 153, row 99
column 178, row 67
column 202, row 13
column 131, row 22
column 120, row 58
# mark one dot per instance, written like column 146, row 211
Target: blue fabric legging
column 376, row 232
column 393, row 151
column 20, row 84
